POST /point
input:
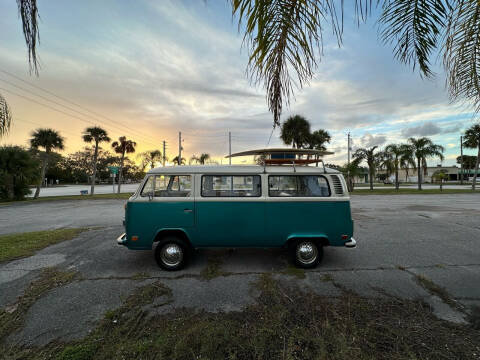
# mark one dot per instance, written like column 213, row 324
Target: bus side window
column 148, row 187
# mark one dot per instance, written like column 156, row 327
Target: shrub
column 18, row 169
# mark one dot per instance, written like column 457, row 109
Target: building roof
column 239, row 169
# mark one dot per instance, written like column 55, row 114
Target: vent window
column 337, row 184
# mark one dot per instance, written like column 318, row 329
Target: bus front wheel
column 171, row 253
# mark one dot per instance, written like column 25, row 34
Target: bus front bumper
column 351, row 244
column 122, row 239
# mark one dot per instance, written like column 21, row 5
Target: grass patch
column 71, row 197
column 286, row 323
column 212, row 270
column 50, row 278
column 294, row 271
column 437, row 290
column 326, row 278
column 20, row 245
column 412, row 191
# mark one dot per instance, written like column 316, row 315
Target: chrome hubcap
column 171, row 254
column 307, row 252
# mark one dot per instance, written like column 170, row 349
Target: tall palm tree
column 295, row 131
column 423, row 148
column 49, row 140
column 150, row 157
column 472, row 141
column 284, row 40
column 5, row 117
column 98, row 135
column 352, row 170
column 176, row 161
column 407, row 160
column 371, row 158
column 122, row 147
column 399, row 155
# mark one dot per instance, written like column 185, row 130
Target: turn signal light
column 134, row 238
column 344, row 237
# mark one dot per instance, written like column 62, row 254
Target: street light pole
column 461, row 160
column 229, row 148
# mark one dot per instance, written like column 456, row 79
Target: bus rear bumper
column 122, row 239
column 351, row 244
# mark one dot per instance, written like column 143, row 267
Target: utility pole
column 461, row 160
column 179, row 148
column 164, row 153
column 348, row 146
column 229, row 148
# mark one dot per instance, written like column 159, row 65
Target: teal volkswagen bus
column 177, row 209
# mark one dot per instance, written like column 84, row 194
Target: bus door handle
column 187, row 210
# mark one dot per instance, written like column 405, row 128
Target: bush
column 18, row 169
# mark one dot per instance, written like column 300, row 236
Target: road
column 399, row 237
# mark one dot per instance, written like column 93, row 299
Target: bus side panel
column 309, row 219
column 145, row 219
column 230, row 223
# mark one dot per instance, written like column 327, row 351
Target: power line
column 68, row 101
column 54, row 109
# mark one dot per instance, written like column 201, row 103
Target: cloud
column 429, row 129
column 369, row 140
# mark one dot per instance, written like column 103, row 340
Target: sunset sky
column 148, row 69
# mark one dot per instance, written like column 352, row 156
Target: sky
column 149, row 69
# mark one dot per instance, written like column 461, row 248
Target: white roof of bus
column 238, row 169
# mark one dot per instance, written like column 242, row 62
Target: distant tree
column 318, row 139
column 176, row 161
column 202, row 159
column 469, row 161
column 97, row 135
column 49, row 140
column 399, row 157
column 372, row 159
column 472, row 141
column 295, row 131
column 440, row 175
column 123, row 146
column 150, row 157
column 423, row 148
column 18, row 169
column 352, row 171
column 5, row 117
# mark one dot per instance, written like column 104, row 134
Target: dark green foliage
column 18, row 169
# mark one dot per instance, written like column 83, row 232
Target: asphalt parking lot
column 399, row 238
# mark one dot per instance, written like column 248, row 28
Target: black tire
column 176, row 262
column 312, row 255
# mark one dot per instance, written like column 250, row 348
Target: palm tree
column 472, row 141
column 440, row 175
column 49, row 140
column 352, row 170
column 407, row 160
column 181, row 162
column 98, row 135
column 295, row 131
column 284, row 40
column 371, row 158
column 122, row 147
column 423, row 148
column 150, row 157
column 399, row 154
column 5, row 117
column 202, row 159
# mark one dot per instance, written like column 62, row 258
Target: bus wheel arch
column 306, row 252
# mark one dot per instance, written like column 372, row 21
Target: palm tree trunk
column 371, row 178
column 92, row 188
column 42, row 176
column 476, row 169
column 120, row 174
column 397, row 185
column 419, row 173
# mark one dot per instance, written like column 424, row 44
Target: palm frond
column 415, row 28
column 29, row 13
column 5, row 117
column 284, row 35
column 462, row 53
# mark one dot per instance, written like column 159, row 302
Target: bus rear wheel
column 171, row 253
column 306, row 254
